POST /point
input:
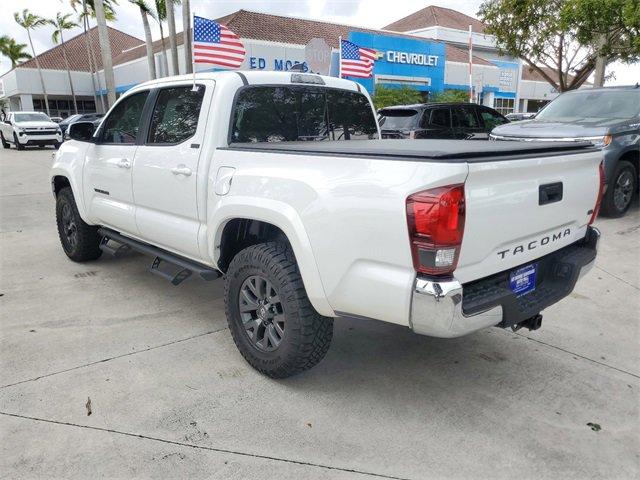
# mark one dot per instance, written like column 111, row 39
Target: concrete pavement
column 172, row 398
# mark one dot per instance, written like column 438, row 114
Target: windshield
column 31, row 117
column 599, row 104
column 398, row 119
column 72, row 118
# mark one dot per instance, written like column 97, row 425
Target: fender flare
column 57, row 171
column 286, row 219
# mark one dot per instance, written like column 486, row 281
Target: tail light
column 596, row 209
column 436, row 224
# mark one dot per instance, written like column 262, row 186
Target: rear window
column 289, row 114
column 398, row 118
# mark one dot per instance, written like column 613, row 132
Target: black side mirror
column 81, row 131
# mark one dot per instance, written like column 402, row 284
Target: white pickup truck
column 279, row 182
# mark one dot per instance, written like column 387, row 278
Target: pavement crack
column 135, row 352
column 204, row 447
column 578, row 355
column 618, row 278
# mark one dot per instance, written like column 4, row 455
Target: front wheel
column 5, row 144
column 620, row 190
column 19, row 146
column 272, row 322
column 80, row 241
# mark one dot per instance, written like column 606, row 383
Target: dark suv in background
column 463, row 121
column 609, row 118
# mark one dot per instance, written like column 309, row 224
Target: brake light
column 596, row 209
column 436, row 224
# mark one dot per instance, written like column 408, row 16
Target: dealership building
column 427, row 50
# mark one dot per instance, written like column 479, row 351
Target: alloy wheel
column 261, row 312
column 623, row 190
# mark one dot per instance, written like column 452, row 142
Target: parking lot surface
column 171, row 397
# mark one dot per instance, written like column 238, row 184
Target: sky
column 364, row 13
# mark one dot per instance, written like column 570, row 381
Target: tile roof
column 432, row 16
column 297, row 31
column 77, row 51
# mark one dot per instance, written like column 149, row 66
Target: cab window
column 175, row 115
column 123, row 124
column 288, row 114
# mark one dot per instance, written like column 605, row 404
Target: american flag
column 216, row 44
column 356, row 61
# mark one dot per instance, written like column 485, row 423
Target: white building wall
column 456, row 73
column 537, row 90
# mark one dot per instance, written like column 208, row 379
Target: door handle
column 124, row 163
column 181, row 169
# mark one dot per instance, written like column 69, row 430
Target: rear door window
column 491, row 119
column 288, row 114
column 175, row 115
column 465, row 118
column 440, row 117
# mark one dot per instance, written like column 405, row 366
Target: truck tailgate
column 522, row 209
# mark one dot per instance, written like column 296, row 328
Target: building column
column 26, row 102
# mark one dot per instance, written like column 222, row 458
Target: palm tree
column 186, row 37
column 29, row 21
column 60, row 24
column 89, row 11
column 173, row 45
column 161, row 16
column 13, row 51
column 145, row 11
column 105, row 49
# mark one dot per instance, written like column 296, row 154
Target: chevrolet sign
column 412, row 58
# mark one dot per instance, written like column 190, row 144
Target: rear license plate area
column 523, row 280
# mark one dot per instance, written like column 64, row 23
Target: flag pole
column 470, row 64
column 193, row 62
column 340, row 57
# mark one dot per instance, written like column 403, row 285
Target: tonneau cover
column 444, row 150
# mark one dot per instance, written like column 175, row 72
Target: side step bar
column 186, row 266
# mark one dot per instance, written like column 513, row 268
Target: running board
column 186, row 267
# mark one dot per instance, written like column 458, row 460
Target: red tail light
column 596, row 209
column 436, row 224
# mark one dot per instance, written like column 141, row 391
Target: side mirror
column 81, row 131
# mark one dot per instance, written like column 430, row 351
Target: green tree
column 60, row 24
column 450, row 96
column 386, row 97
column 563, row 39
column 13, row 51
column 29, row 21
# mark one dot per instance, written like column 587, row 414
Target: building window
column 504, row 105
column 536, row 105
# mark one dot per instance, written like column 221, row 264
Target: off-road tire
column 86, row 246
column 307, row 334
column 19, row 146
column 609, row 207
column 5, row 144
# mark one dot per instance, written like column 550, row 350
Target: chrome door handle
column 124, row 163
column 181, row 169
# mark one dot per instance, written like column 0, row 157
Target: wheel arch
column 242, row 223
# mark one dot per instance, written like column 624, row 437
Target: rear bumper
column 449, row 309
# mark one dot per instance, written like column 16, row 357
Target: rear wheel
column 5, row 144
column 80, row 241
column 19, row 146
column 272, row 322
column 620, row 190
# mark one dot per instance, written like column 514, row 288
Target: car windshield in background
column 70, row 119
column 288, row 114
column 31, row 117
column 598, row 104
column 398, row 119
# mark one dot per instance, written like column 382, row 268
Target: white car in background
column 23, row 129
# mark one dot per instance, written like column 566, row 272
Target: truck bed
column 450, row 151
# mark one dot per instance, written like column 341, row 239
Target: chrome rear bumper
column 436, row 306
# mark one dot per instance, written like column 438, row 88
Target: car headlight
column 599, row 142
